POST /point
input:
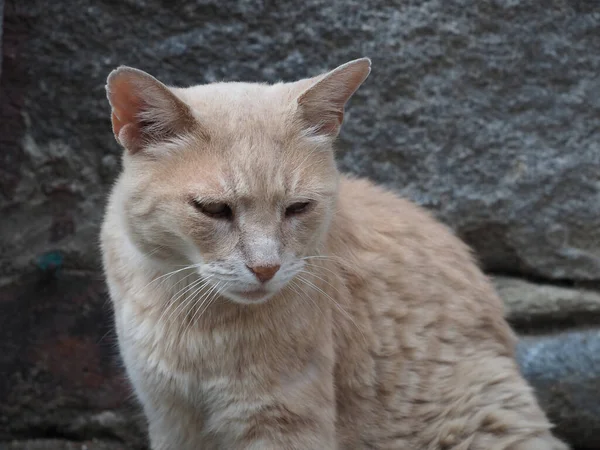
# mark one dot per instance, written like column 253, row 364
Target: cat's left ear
column 322, row 105
column 144, row 110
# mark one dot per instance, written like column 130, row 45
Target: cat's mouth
column 251, row 296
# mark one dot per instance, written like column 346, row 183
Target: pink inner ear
column 322, row 104
column 126, row 106
column 144, row 110
column 116, row 123
column 332, row 125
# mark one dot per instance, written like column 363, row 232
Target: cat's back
column 373, row 222
column 422, row 337
column 395, row 253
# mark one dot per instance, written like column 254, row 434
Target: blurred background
column 487, row 112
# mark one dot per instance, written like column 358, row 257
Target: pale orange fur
column 377, row 332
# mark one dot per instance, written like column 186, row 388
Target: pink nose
column 264, row 273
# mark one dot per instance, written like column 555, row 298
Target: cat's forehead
column 265, row 168
column 252, row 168
column 252, row 151
column 240, row 107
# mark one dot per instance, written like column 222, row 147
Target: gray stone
column 1, row 20
column 61, row 374
column 56, row 444
column 565, row 372
column 485, row 111
column 534, row 307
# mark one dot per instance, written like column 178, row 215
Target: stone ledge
column 61, row 372
column 485, row 112
column 532, row 306
column 63, row 380
column 61, row 444
column 564, row 370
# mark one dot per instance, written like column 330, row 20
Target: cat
column 264, row 301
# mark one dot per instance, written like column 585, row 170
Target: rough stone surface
column 537, row 306
column 1, row 21
column 55, row 444
column 59, row 363
column 485, row 111
column 61, row 378
column 565, row 372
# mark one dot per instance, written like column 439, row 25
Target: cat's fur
column 378, row 331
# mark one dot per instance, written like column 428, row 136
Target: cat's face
column 245, row 215
column 240, row 184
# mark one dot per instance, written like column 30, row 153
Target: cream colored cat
column 263, row 301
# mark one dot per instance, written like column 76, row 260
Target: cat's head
column 237, row 179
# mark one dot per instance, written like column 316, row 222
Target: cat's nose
column 264, row 273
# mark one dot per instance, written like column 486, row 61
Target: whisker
column 185, row 289
column 171, row 302
column 193, row 266
column 342, row 310
column 183, row 305
column 214, row 297
column 156, row 249
column 192, row 310
column 104, row 336
column 322, row 279
column 294, row 286
column 175, row 284
column 206, row 298
column 226, row 278
column 185, row 277
column 188, row 306
column 329, row 257
column 191, row 299
column 316, row 266
column 200, row 282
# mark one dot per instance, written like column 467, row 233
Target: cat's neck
column 182, row 295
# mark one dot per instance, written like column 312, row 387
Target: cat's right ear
column 144, row 110
column 322, row 105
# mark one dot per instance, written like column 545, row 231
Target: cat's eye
column 215, row 210
column 297, row 208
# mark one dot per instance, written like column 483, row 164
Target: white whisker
column 316, row 266
column 200, row 282
column 329, row 257
column 293, row 286
column 168, row 275
column 339, row 307
column 205, row 298
column 168, row 309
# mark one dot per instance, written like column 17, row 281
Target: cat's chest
column 207, row 370
column 169, row 346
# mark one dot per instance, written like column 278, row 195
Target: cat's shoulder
column 379, row 220
column 382, row 207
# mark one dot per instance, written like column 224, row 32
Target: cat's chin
column 251, row 297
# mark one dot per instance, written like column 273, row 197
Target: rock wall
column 1, row 21
column 485, row 111
column 61, row 377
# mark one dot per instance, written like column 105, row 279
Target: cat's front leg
column 296, row 443
column 289, row 432
column 162, row 436
column 301, row 417
column 294, row 408
column 180, row 432
column 271, row 430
